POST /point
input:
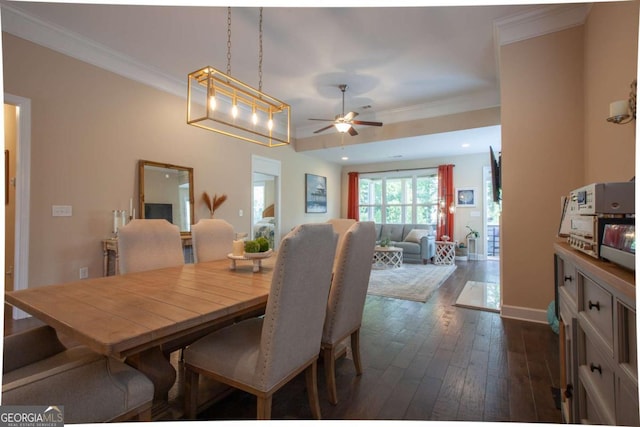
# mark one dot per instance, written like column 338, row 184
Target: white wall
column 466, row 173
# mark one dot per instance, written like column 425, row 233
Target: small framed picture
column 466, row 197
column 315, row 193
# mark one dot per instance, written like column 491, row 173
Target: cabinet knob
column 596, row 368
column 568, row 278
column 568, row 393
column 595, row 305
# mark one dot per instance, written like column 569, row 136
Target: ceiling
column 400, row 63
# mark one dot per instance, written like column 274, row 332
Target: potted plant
column 472, row 233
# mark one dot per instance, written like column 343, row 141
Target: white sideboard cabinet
column 598, row 341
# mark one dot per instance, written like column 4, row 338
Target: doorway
column 492, row 218
column 265, row 199
column 18, row 128
column 10, row 144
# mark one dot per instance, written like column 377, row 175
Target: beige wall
column 555, row 138
column 611, row 59
column 89, row 129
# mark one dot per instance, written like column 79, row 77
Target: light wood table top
column 122, row 315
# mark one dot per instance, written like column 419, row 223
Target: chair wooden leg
column 311, row 374
column 191, row 394
column 264, row 407
column 145, row 415
column 330, row 374
column 355, row 351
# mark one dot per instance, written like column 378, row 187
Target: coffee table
column 387, row 257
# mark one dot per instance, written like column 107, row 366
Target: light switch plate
column 61, row 210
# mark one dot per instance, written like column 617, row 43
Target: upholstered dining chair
column 346, row 300
column 148, row 244
column 39, row 370
column 212, row 239
column 340, row 226
column 261, row 354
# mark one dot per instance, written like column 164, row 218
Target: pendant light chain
column 260, row 55
column 229, row 40
column 236, row 109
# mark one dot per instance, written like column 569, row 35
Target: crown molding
column 539, row 22
column 54, row 37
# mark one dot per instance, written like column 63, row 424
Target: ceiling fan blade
column 359, row 122
column 353, row 131
column 350, row 116
column 323, row 129
column 322, row 120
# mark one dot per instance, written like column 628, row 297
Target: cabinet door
column 626, row 403
column 568, row 369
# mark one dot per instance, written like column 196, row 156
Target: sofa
column 418, row 241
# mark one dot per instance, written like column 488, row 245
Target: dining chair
column 340, row 226
column 346, row 300
column 212, row 239
column 39, row 370
column 261, row 354
column 149, row 244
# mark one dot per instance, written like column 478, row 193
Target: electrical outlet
column 240, row 212
column 61, row 210
column 84, row 272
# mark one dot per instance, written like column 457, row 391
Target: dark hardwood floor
column 432, row 361
column 427, row 361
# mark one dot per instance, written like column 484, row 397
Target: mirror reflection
column 166, row 192
column 264, row 215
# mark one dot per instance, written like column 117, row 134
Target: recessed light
column 465, row 145
column 345, row 158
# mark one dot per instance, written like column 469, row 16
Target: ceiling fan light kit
column 342, row 127
column 344, row 122
column 220, row 103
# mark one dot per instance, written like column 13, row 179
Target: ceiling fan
column 344, row 122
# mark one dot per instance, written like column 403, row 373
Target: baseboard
column 524, row 313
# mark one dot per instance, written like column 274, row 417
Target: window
column 403, row 197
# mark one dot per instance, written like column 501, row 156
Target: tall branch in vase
column 213, row 203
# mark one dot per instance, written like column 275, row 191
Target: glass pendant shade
column 222, row 104
column 343, row 127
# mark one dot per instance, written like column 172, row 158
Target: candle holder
column 624, row 117
column 119, row 220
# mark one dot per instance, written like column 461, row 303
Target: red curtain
column 353, row 206
column 445, row 201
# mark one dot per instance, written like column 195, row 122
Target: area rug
column 480, row 295
column 414, row 282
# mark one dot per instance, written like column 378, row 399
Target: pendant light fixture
column 220, row 103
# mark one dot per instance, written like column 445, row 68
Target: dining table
column 132, row 316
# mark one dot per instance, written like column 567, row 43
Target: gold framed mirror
column 166, row 192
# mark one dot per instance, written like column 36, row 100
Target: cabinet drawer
column 597, row 375
column 597, row 306
column 568, row 279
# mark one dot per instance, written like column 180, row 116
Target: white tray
column 255, row 255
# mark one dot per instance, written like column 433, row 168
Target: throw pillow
column 415, row 235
